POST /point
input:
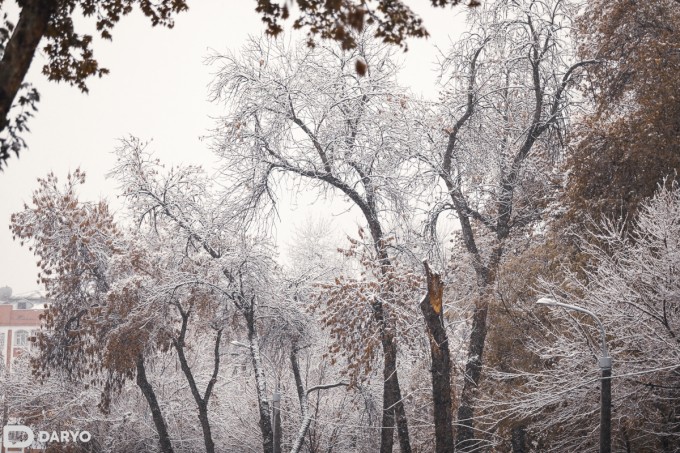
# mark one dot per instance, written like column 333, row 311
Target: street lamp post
column 605, row 362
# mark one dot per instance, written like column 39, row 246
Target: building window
column 21, row 339
column 22, row 306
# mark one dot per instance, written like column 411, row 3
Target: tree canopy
column 70, row 57
column 393, row 20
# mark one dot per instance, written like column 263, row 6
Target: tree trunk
column 260, row 381
column 400, row 415
column 432, row 308
column 31, row 27
column 303, row 397
column 156, row 414
column 205, row 426
column 201, row 401
column 276, row 415
column 465, row 436
column 486, row 274
column 389, row 399
column 393, row 405
column 202, row 406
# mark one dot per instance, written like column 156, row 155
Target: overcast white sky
column 157, row 89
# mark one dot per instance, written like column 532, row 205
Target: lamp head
column 546, row 301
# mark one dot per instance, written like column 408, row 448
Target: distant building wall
column 19, row 319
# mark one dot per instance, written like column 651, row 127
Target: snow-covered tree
column 492, row 143
column 304, row 113
column 211, row 255
column 634, row 289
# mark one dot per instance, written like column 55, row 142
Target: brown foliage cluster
column 512, row 324
column 393, row 20
column 94, row 329
column 69, row 239
column 514, row 305
column 632, row 140
column 347, row 307
column 70, row 57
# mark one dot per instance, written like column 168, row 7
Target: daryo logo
column 20, row 436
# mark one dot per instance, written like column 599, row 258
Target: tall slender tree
column 494, row 144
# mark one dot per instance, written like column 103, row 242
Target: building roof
column 27, row 301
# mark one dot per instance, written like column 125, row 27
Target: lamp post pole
column 276, row 416
column 605, row 363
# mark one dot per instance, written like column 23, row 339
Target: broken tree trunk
column 433, row 312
